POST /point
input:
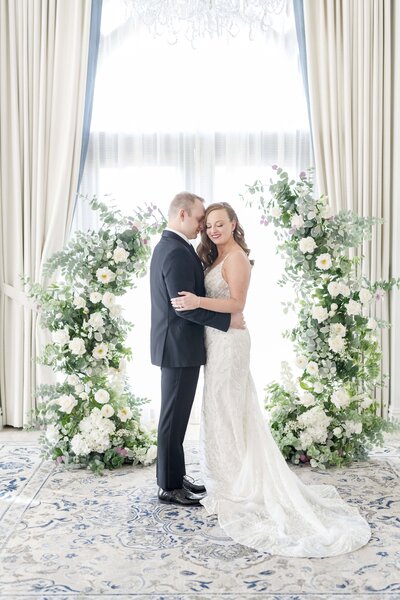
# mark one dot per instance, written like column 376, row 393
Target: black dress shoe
column 193, row 487
column 180, row 496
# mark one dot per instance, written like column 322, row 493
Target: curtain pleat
column 349, row 63
column 43, row 54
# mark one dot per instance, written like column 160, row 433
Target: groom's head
column 186, row 214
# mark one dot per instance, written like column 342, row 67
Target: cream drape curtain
column 43, row 66
column 349, row 61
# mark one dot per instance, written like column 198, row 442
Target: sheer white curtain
column 209, row 119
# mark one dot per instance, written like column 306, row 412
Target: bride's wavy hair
column 207, row 250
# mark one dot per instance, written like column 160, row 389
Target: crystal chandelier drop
column 199, row 18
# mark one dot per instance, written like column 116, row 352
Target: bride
column 258, row 499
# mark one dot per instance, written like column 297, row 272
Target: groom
column 177, row 343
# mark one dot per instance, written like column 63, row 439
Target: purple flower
column 275, row 167
column 59, row 459
column 379, row 294
column 303, row 458
column 303, row 175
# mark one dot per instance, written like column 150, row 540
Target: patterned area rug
column 73, row 535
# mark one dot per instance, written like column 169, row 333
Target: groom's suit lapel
column 178, row 238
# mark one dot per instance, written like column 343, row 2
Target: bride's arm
column 236, row 272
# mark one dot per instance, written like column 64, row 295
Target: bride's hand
column 186, row 301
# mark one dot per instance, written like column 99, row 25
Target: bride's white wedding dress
column 259, row 501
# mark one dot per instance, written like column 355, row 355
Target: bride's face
column 218, row 226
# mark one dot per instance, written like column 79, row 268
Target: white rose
column 107, row 411
column 79, row 445
column 102, row 396
column 320, row 313
column 79, row 302
column 151, row 455
column 105, row 275
column 77, row 346
column 297, row 222
column 334, row 288
column 353, row 308
column 344, row 289
column 67, row 403
column 365, row 296
column 120, row 255
column 340, row 398
column 95, row 297
column 276, row 212
column 100, row 351
column 311, row 215
column 301, row 361
column 307, row 245
column 124, row 414
column 334, row 306
column 108, row 299
column 73, row 379
column 83, row 396
column 337, row 432
column 318, row 387
column 305, row 440
column 324, row 262
column 79, row 388
column 60, row 337
column 115, row 310
column 336, row 344
column 96, row 320
column 307, row 399
column 372, row 324
column 337, row 329
column 52, row 433
column 327, row 212
column 366, row 403
column 312, row 368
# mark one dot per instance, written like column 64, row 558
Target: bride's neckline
column 215, row 266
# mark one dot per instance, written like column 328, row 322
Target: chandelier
column 198, row 18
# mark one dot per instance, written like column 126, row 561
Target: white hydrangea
column 320, row 313
column 120, row 255
column 316, row 422
column 340, row 398
column 307, row 245
column 324, row 261
column 79, row 445
column 353, row 307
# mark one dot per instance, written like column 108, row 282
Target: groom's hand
column 237, row 321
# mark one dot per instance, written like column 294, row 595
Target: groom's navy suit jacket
column 177, row 338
